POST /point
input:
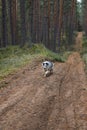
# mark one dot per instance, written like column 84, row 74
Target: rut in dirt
column 58, row 102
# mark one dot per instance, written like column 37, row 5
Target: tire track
column 57, row 102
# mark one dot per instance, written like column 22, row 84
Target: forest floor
column 31, row 101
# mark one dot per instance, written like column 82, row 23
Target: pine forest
column 50, row 22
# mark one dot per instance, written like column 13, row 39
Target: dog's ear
column 43, row 64
column 43, row 59
column 46, row 59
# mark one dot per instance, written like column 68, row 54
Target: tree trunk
column 23, row 23
column 12, row 12
column 45, row 25
column 4, row 24
column 60, row 21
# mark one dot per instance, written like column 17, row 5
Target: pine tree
column 12, row 12
column 23, row 22
column 4, row 24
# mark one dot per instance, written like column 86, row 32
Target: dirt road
column 78, row 45
column 33, row 102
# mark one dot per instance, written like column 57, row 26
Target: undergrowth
column 14, row 57
column 84, row 51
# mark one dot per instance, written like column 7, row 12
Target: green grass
column 84, row 51
column 13, row 57
column 47, row 54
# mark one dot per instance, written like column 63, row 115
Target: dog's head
column 47, row 65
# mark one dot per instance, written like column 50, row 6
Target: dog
column 48, row 68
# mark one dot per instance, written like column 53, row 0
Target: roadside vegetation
column 13, row 58
column 84, row 51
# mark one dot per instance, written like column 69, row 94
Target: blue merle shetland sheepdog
column 48, row 67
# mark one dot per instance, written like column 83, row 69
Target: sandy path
column 78, row 45
column 59, row 102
